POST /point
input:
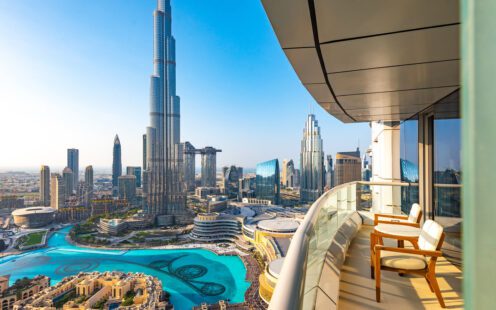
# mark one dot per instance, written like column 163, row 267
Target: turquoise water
column 191, row 276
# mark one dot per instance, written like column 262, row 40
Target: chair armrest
column 392, row 216
column 399, row 223
column 408, row 251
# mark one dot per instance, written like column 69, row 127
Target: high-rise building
column 88, row 177
column 297, row 177
column 116, row 166
column 311, row 162
column 189, row 166
column 209, row 166
column 45, row 186
column 68, row 177
column 136, row 171
column 329, row 172
column 288, row 173
column 144, row 152
column 127, row 187
column 268, row 185
column 348, row 167
column 231, row 178
column 57, row 191
column 73, row 163
column 247, row 187
column 283, row 172
column 165, row 195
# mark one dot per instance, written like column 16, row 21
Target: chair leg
column 429, row 282
column 372, row 271
column 435, row 287
column 377, row 277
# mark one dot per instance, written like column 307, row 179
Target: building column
column 386, row 167
column 478, row 151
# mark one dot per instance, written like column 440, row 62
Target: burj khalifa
column 165, row 196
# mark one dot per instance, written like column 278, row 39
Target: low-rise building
column 203, row 192
column 33, row 217
column 116, row 226
column 20, row 290
column 214, row 227
column 113, row 290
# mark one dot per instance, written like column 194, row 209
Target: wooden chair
column 421, row 261
column 412, row 219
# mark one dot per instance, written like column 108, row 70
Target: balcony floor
column 357, row 289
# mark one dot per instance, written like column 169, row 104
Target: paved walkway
column 357, row 289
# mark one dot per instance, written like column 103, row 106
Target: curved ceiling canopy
column 371, row 60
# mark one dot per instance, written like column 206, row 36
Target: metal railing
column 298, row 284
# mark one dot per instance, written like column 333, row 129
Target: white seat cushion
column 414, row 213
column 430, row 235
column 403, row 260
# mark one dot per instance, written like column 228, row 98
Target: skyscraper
column 45, row 186
column 329, row 172
column 348, row 167
column 57, row 191
column 288, row 174
column 165, row 196
column 189, row 166
column 283, row 172
column 209, row 166
column 144, row 152
column 68, row 177
column 231, row 178
column 116, row 166
column 268, row 185
column 311, row 162
column 73, row 163
column 127, row 187
column 88, row 177
column 136, row 171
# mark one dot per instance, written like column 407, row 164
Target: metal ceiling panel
column 291, row 22
column 427, row 45
column 320, row 92
column 416, row 76
column 339, row 19
column 410, row 97
column 306, row 64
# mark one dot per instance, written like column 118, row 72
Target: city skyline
column 125, row 95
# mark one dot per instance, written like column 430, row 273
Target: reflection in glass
column 267, row 181
column 409, row 163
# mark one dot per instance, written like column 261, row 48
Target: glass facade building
column 268, row 185
column 73, row 163
column 116, row 166
column 311, row 161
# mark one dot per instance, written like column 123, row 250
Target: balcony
column 328, row 262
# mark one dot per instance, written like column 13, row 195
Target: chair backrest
column 430, row 236
column 414, row 213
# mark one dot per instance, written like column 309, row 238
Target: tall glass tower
column 311, row 162
column 73, row 163
column 165, row 196
column 116, row 166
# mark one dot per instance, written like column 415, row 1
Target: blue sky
column 75, row 73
